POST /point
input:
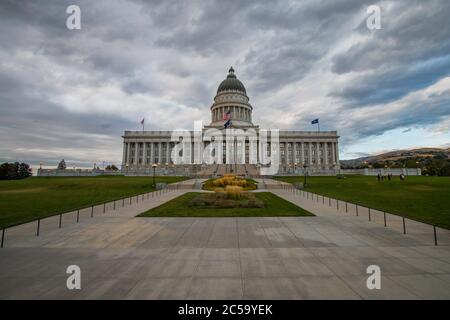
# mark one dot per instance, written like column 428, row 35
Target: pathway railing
column 351, row 207
column 103, row 206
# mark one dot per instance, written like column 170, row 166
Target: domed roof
column 231, row 83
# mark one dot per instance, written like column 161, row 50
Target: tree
column 62, row 165
column 12, row 171
column 23, row 171
column 111, row 167
column 445, row 170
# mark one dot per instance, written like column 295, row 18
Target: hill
column 399, row 157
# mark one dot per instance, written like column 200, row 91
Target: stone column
column 144, row 154
column 294, row 151
column 167, row 152
column 309, row 153
column 287, row 147
column 136, row 153
column 128, row 153
column 152, row 152
column 325, row 154
column 318, row 162
column 124, row 156
column 333, row 154
column 302, row 153
column 159, row 152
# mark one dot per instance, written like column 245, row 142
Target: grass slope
column 34, row 197
column 179, row 207
column 422, row 198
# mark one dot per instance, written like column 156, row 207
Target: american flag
column 227, row 119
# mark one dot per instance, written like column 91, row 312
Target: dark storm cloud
column 69, row 91
column 393, row 84
column 409, row 53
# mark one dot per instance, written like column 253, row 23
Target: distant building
column 241, row 153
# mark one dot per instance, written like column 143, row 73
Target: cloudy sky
column 71, row 93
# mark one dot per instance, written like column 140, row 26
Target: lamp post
column 305, row 167
column 154, row 169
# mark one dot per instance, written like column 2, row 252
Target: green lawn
column 180, row 207
column 422, row 198
column 34, row 197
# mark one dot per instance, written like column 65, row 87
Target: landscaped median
column 231, row 198
column 193, row 204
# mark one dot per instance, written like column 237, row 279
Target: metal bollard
column 370, row 219
column 435, row 236
column 38, row 227
column 384, row 216
column 3, row 237
column 78, row 215
column 60, row 220
column 404, row 226
column 356, row 209
column 92, row 211
column 346, row 208
column 114, row 205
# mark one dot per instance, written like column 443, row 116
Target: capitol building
column 230, row 143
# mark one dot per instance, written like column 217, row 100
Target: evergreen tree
column 62, row 165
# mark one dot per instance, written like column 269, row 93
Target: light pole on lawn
column 154, row 169
column 305, row 172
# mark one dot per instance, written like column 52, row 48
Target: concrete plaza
column 321, row 257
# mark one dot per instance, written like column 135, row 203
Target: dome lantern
column 231, row 83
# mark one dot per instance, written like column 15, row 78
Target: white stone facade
column 240, row 144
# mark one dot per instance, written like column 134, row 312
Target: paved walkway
column 322, row 257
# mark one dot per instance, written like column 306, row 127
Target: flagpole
column 318, row 127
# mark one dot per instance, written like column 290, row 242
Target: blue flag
column 315, row 121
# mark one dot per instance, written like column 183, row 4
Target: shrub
column 229, row 180
column 234, row 192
